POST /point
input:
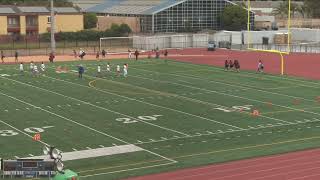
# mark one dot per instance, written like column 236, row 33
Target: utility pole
column 53, row 24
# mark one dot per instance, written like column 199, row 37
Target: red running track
column 303, row 165
column 296, row 64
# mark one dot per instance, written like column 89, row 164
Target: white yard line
column 82, row 125
column 252, row 75
column 225, row 132
column 175, row 110
column 227, row 84
column 192, row 99
column 22, row 132
column 103, row 108
column 239, row 97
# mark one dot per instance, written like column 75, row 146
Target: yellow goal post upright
column 281, row 53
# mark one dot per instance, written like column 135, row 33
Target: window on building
column 13, row 21
column 32, row 20
column 49, row 19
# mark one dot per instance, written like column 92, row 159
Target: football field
column 164, row 116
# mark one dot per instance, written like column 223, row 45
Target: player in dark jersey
column 237, row 65
column 226, row 65
column 231, row 64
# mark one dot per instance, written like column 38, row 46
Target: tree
column 90, row 20
column 304, row 10
column 282, row 9
column 234, row 18
column 125, row 29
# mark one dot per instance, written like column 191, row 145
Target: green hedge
column 90, row 35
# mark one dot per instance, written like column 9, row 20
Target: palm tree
column 304, row 10
column 281, row 10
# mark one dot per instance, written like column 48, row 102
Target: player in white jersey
column 125, row 70
column 35, row 70
column 129, row 54
column 99, row 71
column 43, row 67
column 118, row 70
column 31, row 66
column 21, row 68
column 108, row 68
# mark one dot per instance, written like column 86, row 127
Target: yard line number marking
column 235, row 108
column 28, row 130
column 144, row 118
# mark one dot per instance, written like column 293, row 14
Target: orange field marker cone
column 255, row 113
column 37, row 137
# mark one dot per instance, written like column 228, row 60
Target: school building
column 17, row 20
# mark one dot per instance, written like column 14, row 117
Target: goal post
column 116, row 44
column 279, row 51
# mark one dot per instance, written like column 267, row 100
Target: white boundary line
column 245, row 86
column 227, row 84
column 226, row 132
column 113, row 172
column 252, row 75
column 82, row 125
column 87, row 103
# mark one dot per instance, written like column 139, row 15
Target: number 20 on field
column 139, row 118
column 234, row 108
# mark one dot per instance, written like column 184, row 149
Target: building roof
column 65, row 10
column 9, row 9
column 33, row 9
column 6, row 10
column 133, row 7
column 86, row 4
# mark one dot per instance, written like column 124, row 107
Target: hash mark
column 47, row 127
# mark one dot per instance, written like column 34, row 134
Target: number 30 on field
column 32, row 130
column 139, row 118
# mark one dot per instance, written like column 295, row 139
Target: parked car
column 212, row 46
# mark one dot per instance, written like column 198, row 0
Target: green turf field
column 176, row 114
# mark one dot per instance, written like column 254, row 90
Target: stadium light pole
column 53, row 41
